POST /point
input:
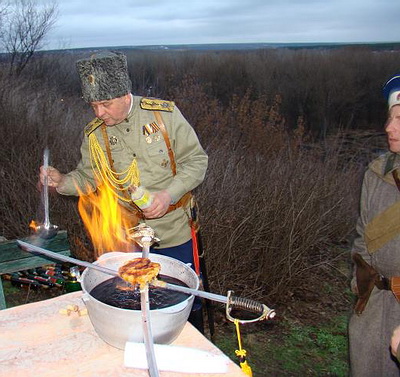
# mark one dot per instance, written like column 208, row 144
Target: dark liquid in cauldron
column 116, row 292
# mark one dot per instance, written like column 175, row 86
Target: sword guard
column 251, row 306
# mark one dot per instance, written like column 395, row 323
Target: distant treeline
column 327, row 89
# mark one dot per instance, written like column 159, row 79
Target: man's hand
column 159, row 206
column 394, row 343
column 54, row 176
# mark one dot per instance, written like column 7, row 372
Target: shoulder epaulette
column 156, row 104
column 91, row 126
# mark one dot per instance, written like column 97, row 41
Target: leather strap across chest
column 385, row 226
column 164, row 132
column 396, row 178
column 185, row 199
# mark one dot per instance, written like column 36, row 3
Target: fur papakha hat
column 104, row 76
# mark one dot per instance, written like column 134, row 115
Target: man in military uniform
column 136, row 141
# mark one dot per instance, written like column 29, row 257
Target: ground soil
column 317, row 304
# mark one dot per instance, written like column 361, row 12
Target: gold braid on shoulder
column 106, row 174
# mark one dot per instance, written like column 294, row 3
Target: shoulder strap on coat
column 91, row 126
column 156, row 104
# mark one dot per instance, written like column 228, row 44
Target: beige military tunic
column 128, row 140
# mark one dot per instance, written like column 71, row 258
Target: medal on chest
column 149, row 130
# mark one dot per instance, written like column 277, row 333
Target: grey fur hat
column 104, row 76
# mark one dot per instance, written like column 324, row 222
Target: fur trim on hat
column 104, row 76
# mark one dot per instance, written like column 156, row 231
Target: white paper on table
column 175, row 359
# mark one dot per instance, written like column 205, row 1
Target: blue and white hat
column 391, row 91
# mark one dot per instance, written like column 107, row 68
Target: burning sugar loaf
column 139, row 271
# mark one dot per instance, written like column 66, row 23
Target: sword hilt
column 262, row 311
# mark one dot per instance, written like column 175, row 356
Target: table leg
column 2, row 298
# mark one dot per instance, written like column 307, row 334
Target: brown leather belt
column 395, row 286
column 367, row 278
column 182, row 202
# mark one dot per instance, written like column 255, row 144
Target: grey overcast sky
column 103, row 23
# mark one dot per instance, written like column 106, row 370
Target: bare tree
column 25, row 26
column 3, row 12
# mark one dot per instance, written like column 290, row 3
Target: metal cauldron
column 117, row 326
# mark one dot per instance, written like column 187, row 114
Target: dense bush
column 273, row 206
column 329, row 89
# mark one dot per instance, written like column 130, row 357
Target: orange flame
column 105, row 221
column 33, row 225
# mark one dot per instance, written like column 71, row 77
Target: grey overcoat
column 370, row 332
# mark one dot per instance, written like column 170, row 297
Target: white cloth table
column 37, row 340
